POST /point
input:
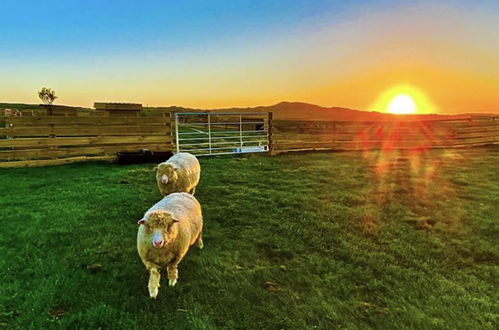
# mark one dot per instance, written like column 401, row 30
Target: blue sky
column 230, row 53
column 120, row 25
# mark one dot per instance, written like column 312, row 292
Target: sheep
column 180, row 173
column 166, row 231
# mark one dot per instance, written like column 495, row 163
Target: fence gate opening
column 219, row 133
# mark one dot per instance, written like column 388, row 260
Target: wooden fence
column 51, row 140
column 351, row 135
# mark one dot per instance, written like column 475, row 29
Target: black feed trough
column 141, row 157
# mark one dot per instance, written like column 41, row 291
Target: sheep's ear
column 155, row 168
column 141, row 222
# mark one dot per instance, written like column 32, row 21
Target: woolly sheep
column 180, row 173
column 165, row 233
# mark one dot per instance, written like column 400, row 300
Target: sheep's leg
column 172, row 274
column 199, row 240
column 154, row 277
column 173, row 269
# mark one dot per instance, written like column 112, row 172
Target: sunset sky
column 210, row 54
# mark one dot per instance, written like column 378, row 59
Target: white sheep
column 180, row 173
column 165, row 233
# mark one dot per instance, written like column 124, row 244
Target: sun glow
column 402, row 104
column 404, row 99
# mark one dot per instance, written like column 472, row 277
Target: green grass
column 296, row 241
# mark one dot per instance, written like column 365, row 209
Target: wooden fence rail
column 355, row 135
column 51, row 140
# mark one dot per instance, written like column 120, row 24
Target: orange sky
column 448, row 50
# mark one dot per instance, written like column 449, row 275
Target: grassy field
column 296, row 241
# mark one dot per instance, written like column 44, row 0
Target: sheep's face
column 166, row 173
column 159, row 228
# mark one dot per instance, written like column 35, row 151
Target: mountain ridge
column 286, row 110
column 311, row 112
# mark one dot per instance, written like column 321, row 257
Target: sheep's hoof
column 172, row 282
column 153, row 293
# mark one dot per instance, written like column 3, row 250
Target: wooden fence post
column 269, row 132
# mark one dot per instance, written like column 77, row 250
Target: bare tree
column 47, row 95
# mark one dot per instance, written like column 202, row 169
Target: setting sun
column 404, row 99
column 402, row 104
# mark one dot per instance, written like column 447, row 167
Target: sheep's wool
column 184, row 220
column 187, row 173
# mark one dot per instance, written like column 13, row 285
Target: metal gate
column 219, row 133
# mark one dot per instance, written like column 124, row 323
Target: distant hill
column 287, row 111
column 26, row 108
column 20, row 106
column 306, row 111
